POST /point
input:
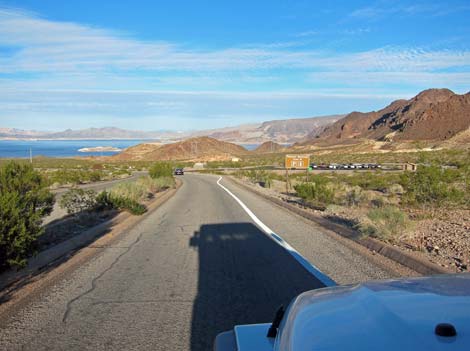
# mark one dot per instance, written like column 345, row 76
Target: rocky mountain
column 89, row 133
column 268, row 147
column 432, row 115
column 199, row 148
column 19, row 133
column 103, row 133
column 285, row 131
column 281, row 131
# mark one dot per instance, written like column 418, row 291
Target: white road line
column 279, row 240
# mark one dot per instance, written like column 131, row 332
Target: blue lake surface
column 250, row 146
column 59, row 148
column 68, row 148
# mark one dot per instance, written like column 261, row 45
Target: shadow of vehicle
column 244, row 276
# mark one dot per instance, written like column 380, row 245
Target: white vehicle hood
column 393, row 315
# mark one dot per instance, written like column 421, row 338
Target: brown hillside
column 268, row 147
column 434, row 114
column 201, row 149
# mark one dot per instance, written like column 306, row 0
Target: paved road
column 193, row 268
column 58, row 212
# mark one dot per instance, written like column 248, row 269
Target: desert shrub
column 154, row 185
column 318, row 192
column 95, row 176
column 355, row 196
column 108, row 200
column 143, row 188
column 130, row 190
column 126, row 196
column 103, row 201
column 259, row 176
column 431, row 185
column 384, row 223
column 378, row 202
column 24, row 201
column 78, row 200
column 161, row 169
column 395, row 189
column 378, row 181
column 74, row 176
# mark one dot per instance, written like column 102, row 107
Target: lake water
column 250, row 146
column 67, row 148
column 60, row 148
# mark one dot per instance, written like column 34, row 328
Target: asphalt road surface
column 196, row 266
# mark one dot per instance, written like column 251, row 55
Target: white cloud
column 388, row 8
column 73, row 49
column 308, row 33
column 69, row 69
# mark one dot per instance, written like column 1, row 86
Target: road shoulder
column 374, row 246
column 68, row 255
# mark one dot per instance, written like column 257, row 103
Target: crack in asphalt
column 183, row 226
column 69, row 306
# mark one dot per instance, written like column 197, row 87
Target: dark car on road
column 179, row 171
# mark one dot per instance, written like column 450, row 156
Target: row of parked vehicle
column 346, row 166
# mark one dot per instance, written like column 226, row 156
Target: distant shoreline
column 100, row 149
column 73, row 139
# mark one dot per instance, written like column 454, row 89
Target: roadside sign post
column 295, row 162
column 287, row 181
column 309, row 169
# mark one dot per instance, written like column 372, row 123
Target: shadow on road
column 244, row 276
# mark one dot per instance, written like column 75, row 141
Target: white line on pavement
column 302, row 260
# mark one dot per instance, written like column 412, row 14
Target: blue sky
column 184, row 65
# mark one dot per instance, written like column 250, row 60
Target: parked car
column 426, row 313
column 313, row 165
column 179, row 171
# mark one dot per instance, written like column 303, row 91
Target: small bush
column 112, row 201
column 161, row 169
column 378, row 202
column 126, row 196
column 320, row 193
column 395, row 189
column 24, row 201
column 78, row 200
column 384, row 223
column 431, row 185
column 355, row 196
column 259, row 176
column 154, row 185
column 130, row 190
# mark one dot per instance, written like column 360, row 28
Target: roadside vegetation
column 260, row 176
column 427, row 211
column 128, row 196
column 24, row 201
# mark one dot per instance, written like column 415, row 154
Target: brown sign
column 297, row 161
